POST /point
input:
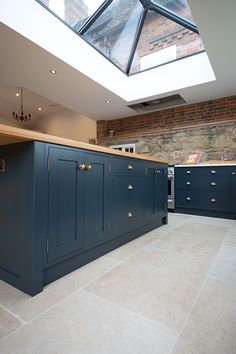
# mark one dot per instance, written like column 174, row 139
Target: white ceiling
column 9, row 102
column 23, row 63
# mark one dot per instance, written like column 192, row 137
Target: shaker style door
column 157, row 190
column 97, row 199
column 233, row 188
column 66, row 194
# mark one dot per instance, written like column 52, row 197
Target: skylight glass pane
column 162, row 41
column 180, row 7
column 73, row 12
column 114, row 31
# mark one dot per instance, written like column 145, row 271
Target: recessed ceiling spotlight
column 108, row 101
column 53, row 71
column 17, row 94
column 39, row 109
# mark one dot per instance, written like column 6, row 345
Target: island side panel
column 15, row 213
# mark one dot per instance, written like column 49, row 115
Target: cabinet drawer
column 186, row 199
column 202, row 182
column 128, row 195
column 215, row 201
column 127, row 217
column 203, row 171
column 127, row 166
column 128, row 188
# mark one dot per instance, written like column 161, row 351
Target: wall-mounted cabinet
column 62, row 207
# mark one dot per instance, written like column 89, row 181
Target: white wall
column 10, row 121
column 67, row 124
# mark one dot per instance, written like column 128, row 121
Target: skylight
column 135, row 35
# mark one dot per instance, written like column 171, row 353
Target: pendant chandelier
column 20, row 115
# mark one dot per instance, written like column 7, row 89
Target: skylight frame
column 148, row 5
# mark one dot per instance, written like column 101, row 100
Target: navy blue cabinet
column 65, row 203
column 62, row 207
column 128, row 203
column 156, row 192
column 233, row 188
column 205, row 190
column 78, row 201
column 97, row 195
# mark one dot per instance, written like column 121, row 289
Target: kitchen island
column 64, row 203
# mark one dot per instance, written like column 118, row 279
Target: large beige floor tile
column 27, row 307
column 230, row 239
column 201, row 228
column 159, row 284
column 179, row 218
column 188, row 242
column 211, row 327
column 212, row 221
column 87, row 324
column 8, row 323
column 224, row 265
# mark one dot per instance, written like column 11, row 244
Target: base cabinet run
column 62, row 207
column 209, row 191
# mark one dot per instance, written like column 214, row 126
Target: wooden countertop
column 12, row 135
column 210, row 163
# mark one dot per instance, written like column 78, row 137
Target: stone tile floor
column 172, row 290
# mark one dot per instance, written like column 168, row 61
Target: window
column 135, row 35
column 124, row 147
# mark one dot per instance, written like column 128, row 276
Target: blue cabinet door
column 156, row 205
column 66, row 207
column 97, row 199
column 233, row 189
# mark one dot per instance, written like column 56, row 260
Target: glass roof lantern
column 135, row 35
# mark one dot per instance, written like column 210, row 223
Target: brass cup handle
column 213, row 200
column 82, row 167
column 188, row 183
column 213, row 184
column 89, row 167
column 188, row 199
column 130, row 215
column 130, row 187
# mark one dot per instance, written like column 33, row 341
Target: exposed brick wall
column 172, row 133
column 219, row 110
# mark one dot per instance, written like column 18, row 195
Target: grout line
column 13, row 314
column 88, row 283
column 197, row 297
column 130, row 311
column 73, row 293
column 96, row 278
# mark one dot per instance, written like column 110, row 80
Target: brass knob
column 157, row 171
column 130, row 167
column 130, row 187
column 233, row 173
column 82, row 167
column 213, row 184
column 213, row 200
column 213, row 172
column 89, row 167
column 130, row 215
column 188, row 183
column 188, row 172
column 188, row 199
